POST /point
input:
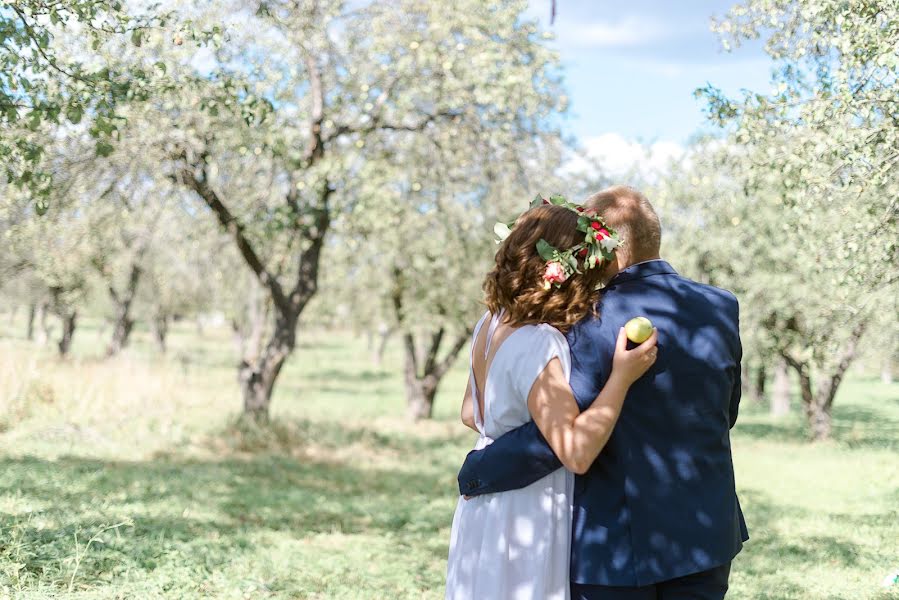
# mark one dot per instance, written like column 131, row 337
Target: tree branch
column 201, row 186
column 829, row 387
column 310, row 257
column 396, row 297
column 431, row 359
column 450, row 357
column 377, row 125
column 315, row 148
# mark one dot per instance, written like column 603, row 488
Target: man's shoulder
column 720, row 294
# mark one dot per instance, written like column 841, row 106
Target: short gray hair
column 629, row 212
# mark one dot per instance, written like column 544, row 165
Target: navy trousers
column 707, row 585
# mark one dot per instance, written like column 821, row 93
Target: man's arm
column 737, row 390
column 515, row 460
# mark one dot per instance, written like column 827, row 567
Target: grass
column 129, row 479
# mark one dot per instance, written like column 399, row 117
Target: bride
column 516, row 544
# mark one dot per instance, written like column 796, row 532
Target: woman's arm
column 577, row 437
column 468, row 408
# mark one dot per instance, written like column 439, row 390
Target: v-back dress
column 513, row 545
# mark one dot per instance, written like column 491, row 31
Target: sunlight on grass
column 342, row 497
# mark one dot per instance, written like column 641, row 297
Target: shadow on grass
column 288, row 436
column 340, row 375
column 853, row 427
column 201, row 512
column 773, row 551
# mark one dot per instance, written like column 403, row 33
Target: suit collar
column 641, row 270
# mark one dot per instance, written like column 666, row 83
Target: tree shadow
column 199, row 512
column 772, row 552
column 853, row 427
column 364, row 376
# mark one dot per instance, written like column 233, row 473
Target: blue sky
column 631, row 66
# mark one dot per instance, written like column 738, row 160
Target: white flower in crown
column 502, row 231
column 609, row 243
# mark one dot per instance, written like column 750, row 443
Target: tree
column 831, row 129
column 185, row 269
column 51, row 252
column 124, row 224
column 778, row 260
column 805, row 180
column 339, row 101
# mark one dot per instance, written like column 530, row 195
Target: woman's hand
column 630, row 365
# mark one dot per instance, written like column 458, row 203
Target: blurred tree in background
column 796, row 210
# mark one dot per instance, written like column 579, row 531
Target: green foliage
column 824, row 144
column 47, row 84
column 796, row 209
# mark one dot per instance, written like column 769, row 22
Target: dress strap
column 494, row 323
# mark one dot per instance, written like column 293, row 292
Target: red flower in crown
column 545, row 201
column 602, row 233
column 580, row 209
column 554, row 273
column 596, row 225
column 582, row 253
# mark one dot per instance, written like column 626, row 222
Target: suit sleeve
column 515, row 460
column 520, row 456
column 737, row 389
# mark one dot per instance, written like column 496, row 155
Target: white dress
column 513, row 545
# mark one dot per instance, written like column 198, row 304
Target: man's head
column 630, row 213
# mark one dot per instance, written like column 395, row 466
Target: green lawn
column 128, row 479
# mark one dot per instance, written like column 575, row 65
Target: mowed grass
column 128, row 478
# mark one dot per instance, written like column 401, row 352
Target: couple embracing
column 603, row 469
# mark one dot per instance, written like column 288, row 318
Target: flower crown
column 600, row 242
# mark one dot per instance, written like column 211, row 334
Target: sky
column 631, row 67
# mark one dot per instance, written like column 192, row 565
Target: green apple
column 638, row 329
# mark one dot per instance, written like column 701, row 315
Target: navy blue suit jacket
column 659, row 502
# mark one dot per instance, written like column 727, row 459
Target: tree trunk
column 886, row 370
column 423, row 374
column 780, row 394
column 819, row 403
column 420, row 395
column 67, row 314
column 257, row 378
column 759, row 383
column 310, row 221
column 384, row 333
column 68, row 332
column 121, row 331
column 816, row 413
column 820, row 421
column 423, row 367
column 160, row 330
column 32, row 313
column 43, row 332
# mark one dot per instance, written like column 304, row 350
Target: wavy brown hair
column 516, row 282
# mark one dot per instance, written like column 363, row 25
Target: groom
column 656, row 516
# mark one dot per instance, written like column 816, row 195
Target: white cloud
column 618, row 157
column 628, row 32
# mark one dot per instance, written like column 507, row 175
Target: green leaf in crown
column 545, row 250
